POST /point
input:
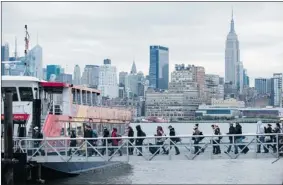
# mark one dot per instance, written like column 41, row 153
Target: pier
column 54, row 150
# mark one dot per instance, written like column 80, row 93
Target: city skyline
column 195, row 33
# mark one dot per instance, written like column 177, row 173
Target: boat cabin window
column 88, row 98
column 74, row 96
column 78, row 96
column 93, row 99
column 13, row 90
column 83, row 97
column 26, row 93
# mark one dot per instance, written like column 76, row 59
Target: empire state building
column 233, row 66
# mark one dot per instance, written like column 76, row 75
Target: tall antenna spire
column 232, row 28
column 232, row 13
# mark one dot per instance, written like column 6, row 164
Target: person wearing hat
column 37, row 135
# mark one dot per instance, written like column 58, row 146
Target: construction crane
column 27, row 37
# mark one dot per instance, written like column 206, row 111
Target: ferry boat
column 63, row 107
column 56, row 108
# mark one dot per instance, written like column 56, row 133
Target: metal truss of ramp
column 190, row 147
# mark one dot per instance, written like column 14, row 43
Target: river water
column 214, row 171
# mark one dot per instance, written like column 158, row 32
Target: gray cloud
column 86, row 33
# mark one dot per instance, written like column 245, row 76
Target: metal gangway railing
column 187, row 147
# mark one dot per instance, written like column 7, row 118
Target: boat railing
column 64, row 149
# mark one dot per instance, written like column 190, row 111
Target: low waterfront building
column 212, row 112
column 209, row 112
column 172, row 105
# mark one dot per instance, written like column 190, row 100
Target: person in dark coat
column 232, row 131
column 36, row 143
column 238, row 131
column 73, row 143
column 104, row 141
column 131, row 144
column 174, row 140
column 197, row 140
column 139, row 141
column 269, row 139
column 88, row 136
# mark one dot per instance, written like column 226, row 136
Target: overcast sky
column 86, row 33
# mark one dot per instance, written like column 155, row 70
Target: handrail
column 59, row 145
column 151, row 137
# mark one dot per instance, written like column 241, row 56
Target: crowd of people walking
column 235, row 142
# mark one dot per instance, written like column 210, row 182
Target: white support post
column 127, row 148
column 169, row 149
column 106, row 148
column 86, row 153
column 53, row 105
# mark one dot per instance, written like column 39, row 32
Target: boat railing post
column 66, row 147
column 86, row 149
column 127, row 147
column 211, row 144
column 106, row 148
column 277, row 145
column 53, row 105
column 169, row 149
column 26, row 145
column 45, row 149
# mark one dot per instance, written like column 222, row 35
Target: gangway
column 58, row 149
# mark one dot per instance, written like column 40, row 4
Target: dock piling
column 8, row 139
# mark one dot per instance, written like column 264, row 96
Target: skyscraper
column 134, row 68
column 44, row 73
column 276, row 90
column 159, row 67
column 77, row 75
column 240, row 77
column 65, row 78
column 108, row 80
column 90, row 76
column 122, row 78
column 246, row 79
column 232, row 56
column 52, row 69
column 4, row 56
column 261, row 85
column 34, row 62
